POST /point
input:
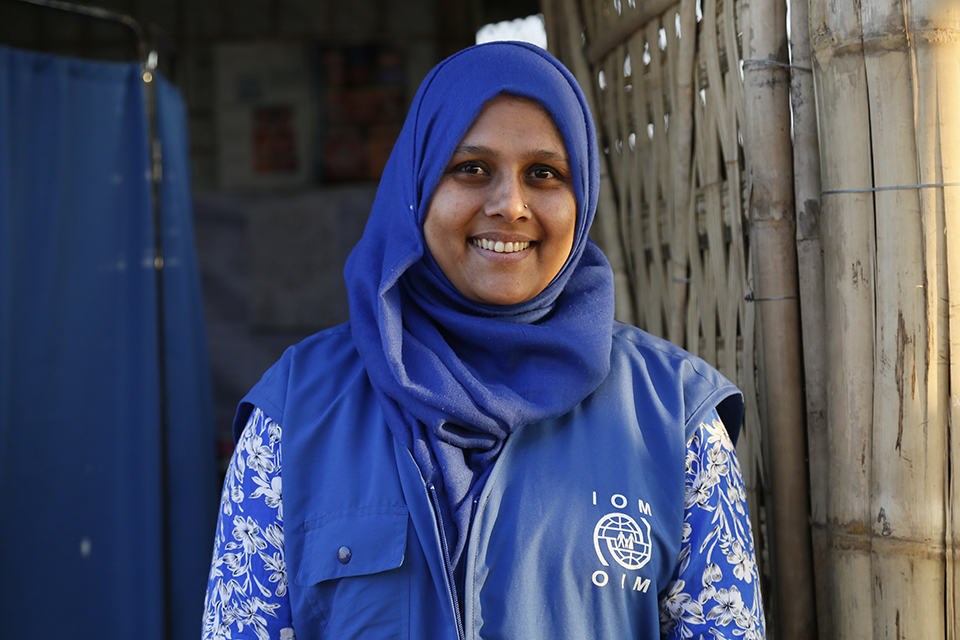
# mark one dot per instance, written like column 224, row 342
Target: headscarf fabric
column 456, row 377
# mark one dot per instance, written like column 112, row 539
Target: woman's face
column 502, row 219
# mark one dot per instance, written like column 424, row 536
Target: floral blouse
column 715, row 592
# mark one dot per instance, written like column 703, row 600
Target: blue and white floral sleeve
column 715, row 592
column 247, row 590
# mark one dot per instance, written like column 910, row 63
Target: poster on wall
column 265, row 114
column 361, row 110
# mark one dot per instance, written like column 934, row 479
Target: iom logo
column 620, row 538
column 625, row 541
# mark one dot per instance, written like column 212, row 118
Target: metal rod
column 156, row 175
column 100, row 14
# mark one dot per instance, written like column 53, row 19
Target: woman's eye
column 470, row 168
column 545, row 173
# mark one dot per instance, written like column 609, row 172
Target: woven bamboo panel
column 674, row 154
column 668, row 100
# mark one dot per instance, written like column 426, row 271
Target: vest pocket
column 351, row 571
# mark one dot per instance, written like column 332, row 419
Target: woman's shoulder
column 631, row 340
column 319, row 366
column 668, row 370
column 315, row 355
column 333, row 342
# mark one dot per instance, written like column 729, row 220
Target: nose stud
column 525, row 207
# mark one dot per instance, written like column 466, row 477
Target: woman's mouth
column 499, row 246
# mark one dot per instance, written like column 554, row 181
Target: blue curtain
column 95, row 487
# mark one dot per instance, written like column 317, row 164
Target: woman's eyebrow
column 483, row 150
column 473, row 150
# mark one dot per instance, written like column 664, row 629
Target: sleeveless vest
column 575, row 534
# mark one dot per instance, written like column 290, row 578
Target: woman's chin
column 501, row 295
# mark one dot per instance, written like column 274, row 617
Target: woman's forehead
column 519, row 114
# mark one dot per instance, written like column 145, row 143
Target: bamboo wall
column 775, row 234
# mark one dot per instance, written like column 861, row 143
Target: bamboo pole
column 948, row 94
column 770, row 165
column 934, row 41
column 806, row 169
column 933, row 35
column 907, row 526
column 938, row 65
column 847, row 223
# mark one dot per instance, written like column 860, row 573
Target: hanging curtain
column 192, row 482
column 89, row 506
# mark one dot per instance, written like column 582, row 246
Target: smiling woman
column 482, row 451
column 502, row 219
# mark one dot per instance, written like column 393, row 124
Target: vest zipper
column 467, row 590
column 451, row 585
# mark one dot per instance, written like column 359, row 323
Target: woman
column 482, row 451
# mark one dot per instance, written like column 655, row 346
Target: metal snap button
column 344, row 554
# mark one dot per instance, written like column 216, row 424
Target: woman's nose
column 507, row 199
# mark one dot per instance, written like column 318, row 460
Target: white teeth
column 499, row 246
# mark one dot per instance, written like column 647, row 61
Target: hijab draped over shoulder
column 456, row 377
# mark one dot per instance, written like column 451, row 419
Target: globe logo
column 625, row 540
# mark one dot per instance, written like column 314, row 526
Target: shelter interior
column 293, row 107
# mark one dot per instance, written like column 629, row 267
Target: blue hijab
column 456, row 377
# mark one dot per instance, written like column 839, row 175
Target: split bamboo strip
column 728, row 262
column 623, row 29
column 770, row 167
column 681, row 141
column 656, row 239
column 708, row 116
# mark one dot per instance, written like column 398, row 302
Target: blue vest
column 576, row 532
